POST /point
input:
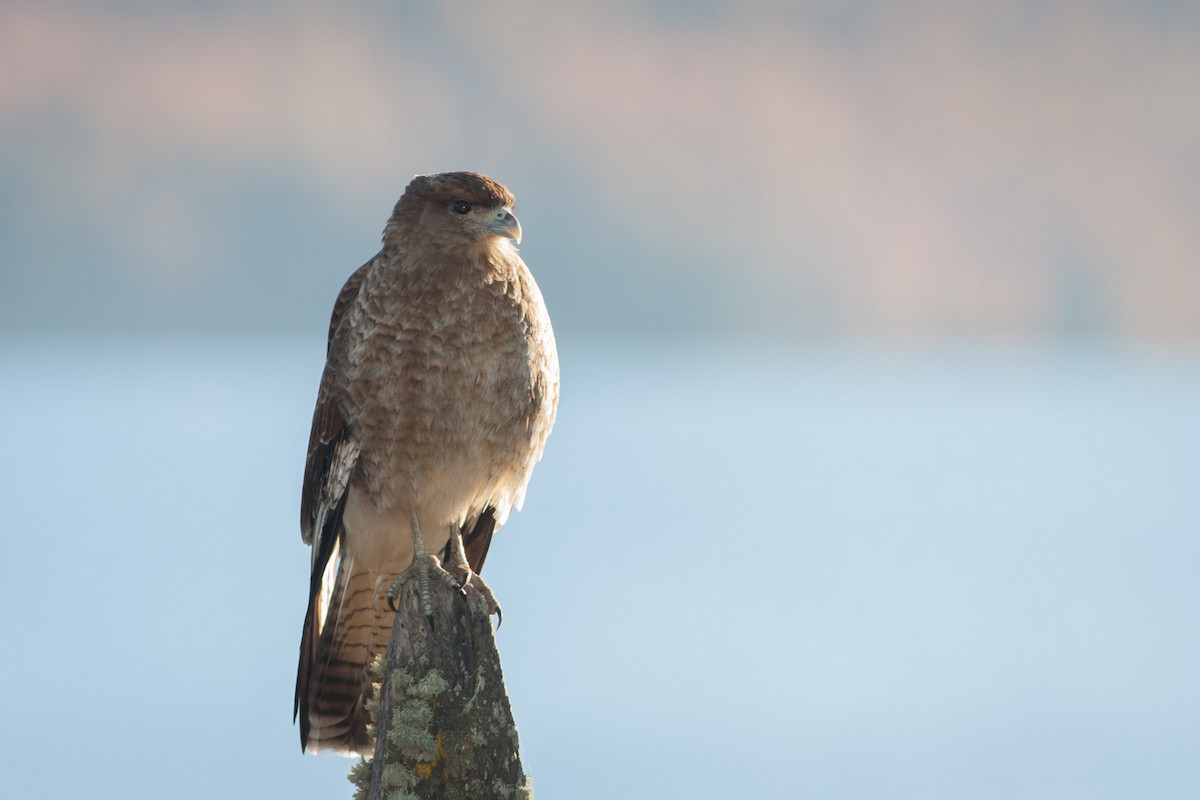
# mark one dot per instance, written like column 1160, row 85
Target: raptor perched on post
column 439, row 390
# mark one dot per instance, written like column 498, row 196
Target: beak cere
column 506, row 225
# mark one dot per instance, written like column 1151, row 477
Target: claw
column 472, row 587
column 468, row 583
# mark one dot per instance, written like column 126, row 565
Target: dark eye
column 460, row 207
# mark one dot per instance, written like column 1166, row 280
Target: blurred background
column 877, row 465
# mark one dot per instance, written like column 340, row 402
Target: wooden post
column 444, row 728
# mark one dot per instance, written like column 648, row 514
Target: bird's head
column 455, row 209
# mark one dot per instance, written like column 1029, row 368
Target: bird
column 439, row 391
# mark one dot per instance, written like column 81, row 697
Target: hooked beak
column 506, row 225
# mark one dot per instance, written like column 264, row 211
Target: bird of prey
column 439, row 390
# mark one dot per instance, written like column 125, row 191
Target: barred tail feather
column 343, row 630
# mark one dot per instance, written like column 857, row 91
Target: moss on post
column 444, row 727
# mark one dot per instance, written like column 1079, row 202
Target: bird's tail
column 343, row 631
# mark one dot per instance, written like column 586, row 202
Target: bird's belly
column 449, row 493
column 442, row 467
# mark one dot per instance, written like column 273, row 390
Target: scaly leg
column 478, row 593
column 422, row 565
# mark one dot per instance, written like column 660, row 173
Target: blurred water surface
column 740, row 572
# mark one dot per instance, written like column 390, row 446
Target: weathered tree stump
column 444, row 728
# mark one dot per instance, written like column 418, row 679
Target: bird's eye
column 460, row 207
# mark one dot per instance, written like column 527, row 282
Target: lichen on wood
column 443, row 724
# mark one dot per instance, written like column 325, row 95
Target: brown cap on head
column 470, row 186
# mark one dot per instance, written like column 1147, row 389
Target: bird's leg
column 423, row 564
column 477, row 592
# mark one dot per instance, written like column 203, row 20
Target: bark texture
column 444, row 727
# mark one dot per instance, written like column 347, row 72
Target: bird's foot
column 425, row 568
column 479, row 595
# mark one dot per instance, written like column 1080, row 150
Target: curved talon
column 477, row 593
column 422, row 566
column 456, row 573
column 481, row 598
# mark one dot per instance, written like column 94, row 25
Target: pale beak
column 506, row 225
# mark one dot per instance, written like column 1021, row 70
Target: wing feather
column 477, row 539
column 329, row 424
column 332, row 455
